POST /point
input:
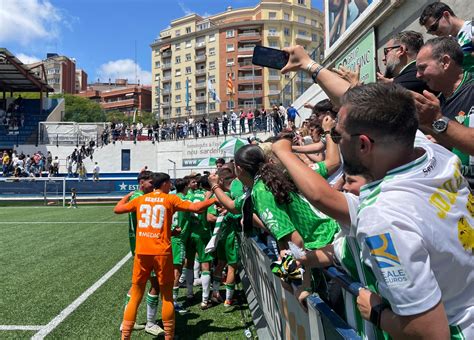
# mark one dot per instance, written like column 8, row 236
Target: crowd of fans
column 36, row 165
column 245, row 121
column 13, row 117
column 376, row 181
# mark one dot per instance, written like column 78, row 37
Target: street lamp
column 174, row 167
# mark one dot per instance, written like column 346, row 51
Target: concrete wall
column 155, row 156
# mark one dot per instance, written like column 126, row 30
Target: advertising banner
column 361, row 53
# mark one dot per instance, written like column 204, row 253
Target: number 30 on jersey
column 151, row 216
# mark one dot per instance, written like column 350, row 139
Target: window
column 212, row 106
column 177, row 85
column 188, row 29
column 212, row 37
column 212, row 79
column 229, row 33
column 188, row 43
column 177, row 72
column 212, row 65
column 300, row 2
column 125, row 160
column 188, row 69
column 301, row 32
column 177, row 98
column 273, row 72
column 273, row 87
column 272, row 31
column 286, row 16
column 230, row 61
column 272, row 15
column 188, row 56
column 230, row 47
column 286, row 31
column 314, row 23
column 301, row 19
column 212, row 51
column 203, row 26
column 178, row 59
column 157, row 76
column 177, row 33
column 273, row 44
column 177, row 46
column 157, row 64
column 314, row 37
column 178, row 111
column 230, row 104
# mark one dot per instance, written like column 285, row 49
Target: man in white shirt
column 413, row 222
column 95, row 172
column 233, row 121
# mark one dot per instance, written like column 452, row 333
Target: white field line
column 45, row 330
column 19, row 328
column 57, row 222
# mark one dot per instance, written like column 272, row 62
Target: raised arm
column 124, row 206
column 333, row 85
column 318, row 192
column 333, row 157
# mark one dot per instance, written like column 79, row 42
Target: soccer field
column 65, row 274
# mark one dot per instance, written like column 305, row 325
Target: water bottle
column 248, row 333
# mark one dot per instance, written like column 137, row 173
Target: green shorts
column 228, row 249
column 177, row 247
column 197, row 244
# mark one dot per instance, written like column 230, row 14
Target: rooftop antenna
column 136, row 66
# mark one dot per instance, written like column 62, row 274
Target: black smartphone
column 269, row 57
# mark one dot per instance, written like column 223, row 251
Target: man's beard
column 355, row 168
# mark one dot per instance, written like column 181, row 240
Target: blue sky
column 100, row 34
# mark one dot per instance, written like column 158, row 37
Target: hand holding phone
column 269, row 57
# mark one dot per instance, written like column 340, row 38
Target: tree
column 82, row 110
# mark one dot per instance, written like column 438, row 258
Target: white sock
column 206, row 285
column 229, row 291
column 189, row 281
column 182, row 278
column 151, row 308
column 197, row 265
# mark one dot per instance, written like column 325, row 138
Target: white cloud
column 27, row 59
column 123, row 69
column 23, row 21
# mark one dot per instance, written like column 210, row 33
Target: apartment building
column 195, row 52
column 120, row 96
column 81, row 80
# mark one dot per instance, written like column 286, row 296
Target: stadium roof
column 17, row 77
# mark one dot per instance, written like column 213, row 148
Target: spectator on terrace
column 233, row 121
column 95, row 172
column 250, row 117
column 55, row 166
column 225, row 123
column 216, row 126
column 242, row 117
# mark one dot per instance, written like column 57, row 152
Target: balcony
column 200, row 58
column 200, row 85
column 200, row 72
column 200, row 99
column 250, row 36
column 303, row 37
column 249, row 65
column 166, row 66
column 119, row 103
column 249, row 94
column 166, row 105
column 164, row 92
column 200, row 45
column 166, row 54
column 166, row 79
column 274, row 78
column 250, row 79
column 246, row 49
column 273, row 35
column 274, row 92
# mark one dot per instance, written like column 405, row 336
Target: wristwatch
column 440, row 125
column 376, row 313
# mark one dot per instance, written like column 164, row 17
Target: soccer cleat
column 205, row 305
column 154, row 329
column 216, row 298
column 228, row 303
column 180, row 309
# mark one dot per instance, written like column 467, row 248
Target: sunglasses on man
column 389, row 48
column 336, row 136
column 434, row 26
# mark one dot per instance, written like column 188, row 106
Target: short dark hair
column 226, row 173
column 324, row 105
column 441, row 46
column 159, row 178
column 204, row 182
column 387, row 110
column 145, row 175
column 180, row 184
column 434, row 10
column 411, row 39
column 220, row 161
